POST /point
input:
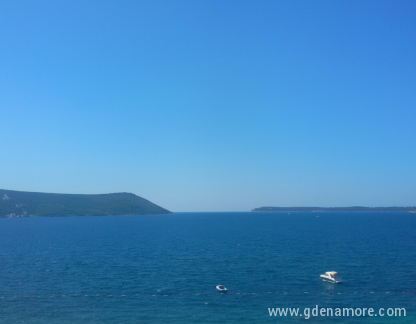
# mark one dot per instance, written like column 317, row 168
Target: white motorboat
column 221, row 288
column 332, row 276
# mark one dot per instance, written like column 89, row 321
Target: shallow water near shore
column 98, row 269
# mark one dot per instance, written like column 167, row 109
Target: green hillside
column 26, row 204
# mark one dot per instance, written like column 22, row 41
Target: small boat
column 221, row 288
column 332, row 276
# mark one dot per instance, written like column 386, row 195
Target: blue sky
column 211, row 105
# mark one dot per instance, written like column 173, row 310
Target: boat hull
column 221, row 290
column 330, row 279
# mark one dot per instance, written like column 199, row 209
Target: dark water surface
column 191, row 253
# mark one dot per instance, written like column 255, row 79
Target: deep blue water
column 191, row 253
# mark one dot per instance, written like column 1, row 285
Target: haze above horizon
column 211, row 105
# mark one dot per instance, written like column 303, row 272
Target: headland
column 38, row 204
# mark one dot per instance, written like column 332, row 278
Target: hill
column 335, row 209
column 31, row 204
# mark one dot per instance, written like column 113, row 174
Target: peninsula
column 37, row 204
column 335, row 209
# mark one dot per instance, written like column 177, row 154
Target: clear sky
column 211, row 105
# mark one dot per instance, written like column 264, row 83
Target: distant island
column 335, row 209
column 37, row 204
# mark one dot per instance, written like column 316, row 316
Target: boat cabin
column 331, row 274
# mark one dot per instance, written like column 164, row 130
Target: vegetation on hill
column 26, row 204
column 334, row 209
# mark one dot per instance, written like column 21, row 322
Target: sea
column 164, row 268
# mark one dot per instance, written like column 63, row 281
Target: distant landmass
column 335, row 209
column 37, row 204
